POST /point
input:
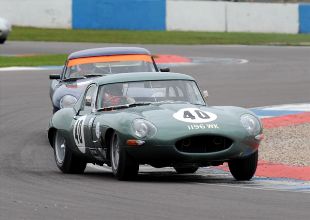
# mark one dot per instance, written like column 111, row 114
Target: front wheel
column 65, row 159
column 55, row 109
column 2, row 40
column 244, row 169
column 123, row 166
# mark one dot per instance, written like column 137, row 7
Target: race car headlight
column 251, row 124
column 67, row 101
column 143, row 128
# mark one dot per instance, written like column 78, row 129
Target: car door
column 83, row 121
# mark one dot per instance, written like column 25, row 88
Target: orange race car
column 82, row 66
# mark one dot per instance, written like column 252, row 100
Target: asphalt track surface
column 31, row 187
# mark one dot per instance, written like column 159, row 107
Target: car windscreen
column 159, row 91
column 109, row 64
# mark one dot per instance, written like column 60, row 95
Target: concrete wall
column 304, row 18
column 37, row 13
column 261, row 17
column 196, row 15
column 119, row 14
column 232, row 16
column 186, row 15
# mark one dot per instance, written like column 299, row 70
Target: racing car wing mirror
column 205, row 94
column 55, row 76
column 164, row 69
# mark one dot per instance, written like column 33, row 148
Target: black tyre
column 2, row 40
column 65, row 159
column 244, row 169
column 123, row 166
column 55, row 109
column 183, row 170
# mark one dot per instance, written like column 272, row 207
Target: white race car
column 5, row 28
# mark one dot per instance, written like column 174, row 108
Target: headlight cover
column 251, row 124
column 143, row 128
column 67, row 101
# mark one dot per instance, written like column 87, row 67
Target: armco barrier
column 119, row 14
column 304, row 18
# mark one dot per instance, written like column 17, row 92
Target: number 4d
column 200, row 114
column 188, row 114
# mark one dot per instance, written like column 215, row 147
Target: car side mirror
column 205, row 94
column 88, row 100
column 55, row 76
column 165, row 69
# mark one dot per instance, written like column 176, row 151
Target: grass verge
column 156, row 37
column 37, row 60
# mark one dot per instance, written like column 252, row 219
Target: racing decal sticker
column 98, row 130
column 78, row 133
column 194, row 115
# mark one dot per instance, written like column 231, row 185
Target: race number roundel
column 194, row 115
column 78, row 133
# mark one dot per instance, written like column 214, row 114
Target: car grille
column 203, row 144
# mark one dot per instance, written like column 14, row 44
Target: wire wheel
column 65, row 159
column 115, row 152
column 60, row 148
column 124, row 167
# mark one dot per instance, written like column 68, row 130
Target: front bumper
column 168, row 154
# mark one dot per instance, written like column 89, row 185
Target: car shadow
column 172, row 177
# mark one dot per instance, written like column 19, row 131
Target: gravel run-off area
column 287, row 145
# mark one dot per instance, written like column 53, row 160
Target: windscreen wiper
column 171, row 102
column 110, row 108
column 73, row 78
column 93, row 75
column 175, row 102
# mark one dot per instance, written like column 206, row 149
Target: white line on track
column 28, row 68
column 305, row 107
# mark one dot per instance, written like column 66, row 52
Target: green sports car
column 160, row 119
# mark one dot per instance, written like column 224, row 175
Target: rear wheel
column 244, row 169
column 183, row 170
column 123, row 166
column 65, row 159
column 2, row 40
